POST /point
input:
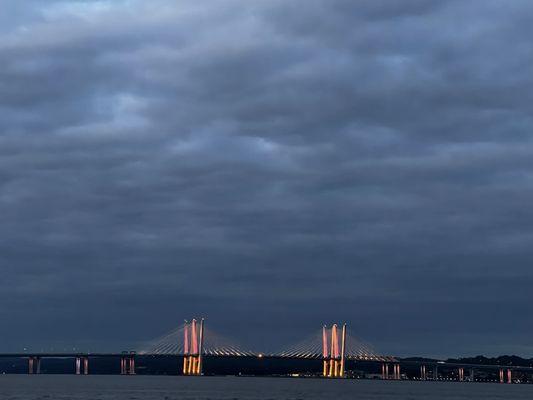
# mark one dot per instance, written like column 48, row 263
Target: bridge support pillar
column 34, row 365
column 385, row 371
column 472, row 375
column 435, row 373
column 461, row 374
column 78, row 365
column 501, row 375
column 127, row 365
column 423, row 375
column 509, row 376
column 132, row 366
column 86, row 366
column 396, row 371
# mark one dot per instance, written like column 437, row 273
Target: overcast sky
column 271, row 165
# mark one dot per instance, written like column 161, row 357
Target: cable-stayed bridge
column 192, row 342
column 173, row 343
column 313, row 347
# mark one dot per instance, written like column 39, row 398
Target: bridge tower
column 193, row 343
column 333, row 358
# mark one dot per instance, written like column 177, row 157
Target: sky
column 270, row 165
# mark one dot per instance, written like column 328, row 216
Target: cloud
column 296, row 163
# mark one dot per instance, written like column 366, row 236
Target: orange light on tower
column 333, row 358
column 185, row 348
column 343, row 350
column 193, row 348
column 332, row 351
column 335, row 349
column 325, row 354
column 200, row 348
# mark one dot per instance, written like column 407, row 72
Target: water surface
column 232, row 388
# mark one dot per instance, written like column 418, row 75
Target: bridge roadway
column 127, row 357
column 81, row 360
column 63, row 355
column 444, row 364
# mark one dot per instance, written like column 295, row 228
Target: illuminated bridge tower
column 193, row 343
column 333, row 357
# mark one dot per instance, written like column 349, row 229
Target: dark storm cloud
column 281, row 163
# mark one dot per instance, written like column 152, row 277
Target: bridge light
column 260, row 355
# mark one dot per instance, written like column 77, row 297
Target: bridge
column 192, row 342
